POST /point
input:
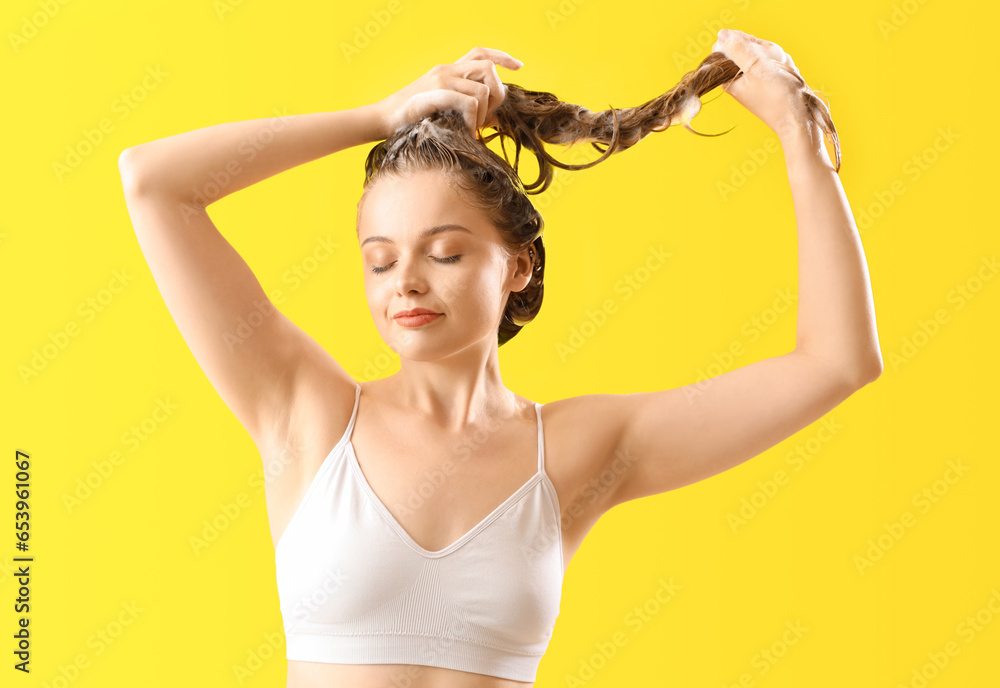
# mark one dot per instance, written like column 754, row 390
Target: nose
column 409, row 276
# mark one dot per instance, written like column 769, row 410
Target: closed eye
column 449, row 259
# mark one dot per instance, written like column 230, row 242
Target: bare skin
column 295, row 400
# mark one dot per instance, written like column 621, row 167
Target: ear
column 520, row 269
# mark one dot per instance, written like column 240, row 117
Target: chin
column 414, row 346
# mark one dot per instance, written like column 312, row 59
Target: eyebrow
column 426, row 233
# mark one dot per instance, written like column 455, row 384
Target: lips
column 417, row 320
column 415, row 311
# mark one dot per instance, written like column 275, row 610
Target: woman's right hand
column 470, row 84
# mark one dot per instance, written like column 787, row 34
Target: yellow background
column 895, row 74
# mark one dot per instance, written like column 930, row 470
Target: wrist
column 803, row 141
column 374, row 113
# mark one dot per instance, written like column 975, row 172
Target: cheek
column 481, row 292
column 375, row 298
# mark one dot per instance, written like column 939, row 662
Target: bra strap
column 354, row 413
column 541, row 438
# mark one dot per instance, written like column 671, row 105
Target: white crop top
column 354, row 588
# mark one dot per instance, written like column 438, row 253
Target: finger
column 469, row 107
column 733, row 45
column 493, row 55
column 787, row 59
column 750, row 38
column 474, row 89
column 771, row 50
column 765, row 48
column 484, row 71
column 440, row 99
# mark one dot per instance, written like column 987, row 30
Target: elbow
column 867, row 373
column 128, row 170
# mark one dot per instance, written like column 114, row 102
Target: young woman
column 423, row 522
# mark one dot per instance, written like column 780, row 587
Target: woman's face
column 463, row 274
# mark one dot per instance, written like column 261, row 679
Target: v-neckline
column 489, row 518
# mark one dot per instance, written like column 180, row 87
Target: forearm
column 836, row 313
column 204, row 165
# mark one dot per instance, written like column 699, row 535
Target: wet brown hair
column 442, row 141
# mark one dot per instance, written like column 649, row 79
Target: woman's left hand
column 770, row 85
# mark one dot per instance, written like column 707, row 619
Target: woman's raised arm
column 836, row 314
column 686, row 434
column 262, row 372
column 204, row 165
column 258, row 361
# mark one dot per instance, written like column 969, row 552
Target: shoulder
column 585, row 418
column 582, row 436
